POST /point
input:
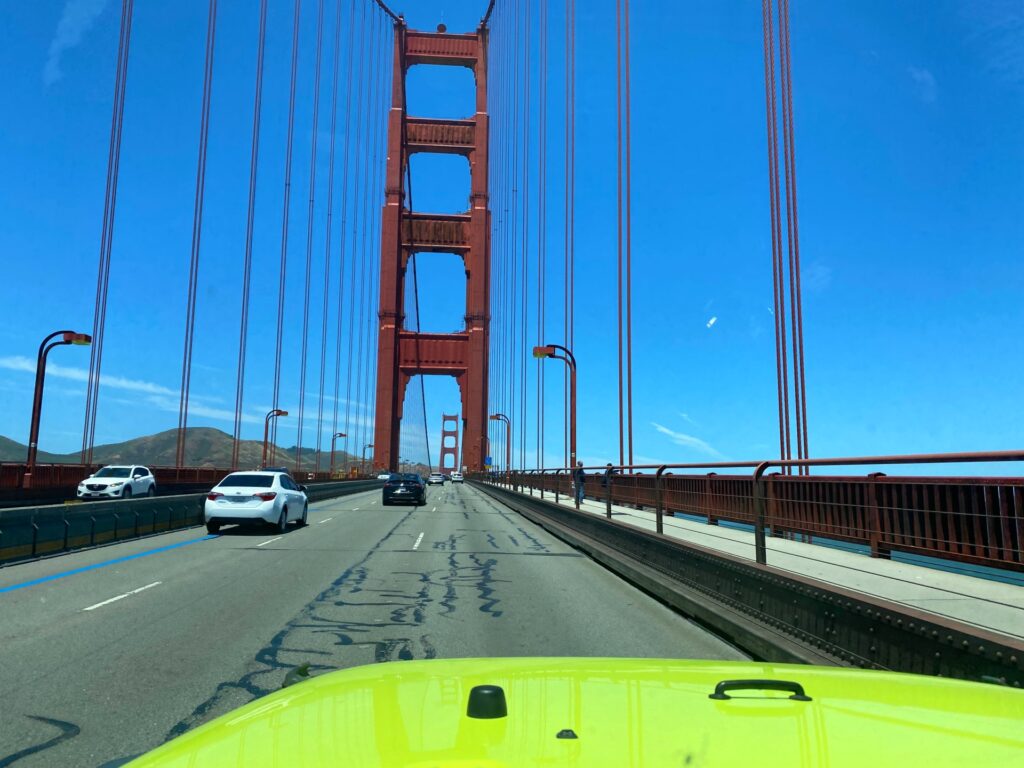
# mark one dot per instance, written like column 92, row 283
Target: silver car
column 256, row 498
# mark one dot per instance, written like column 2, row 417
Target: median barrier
column 31, row 532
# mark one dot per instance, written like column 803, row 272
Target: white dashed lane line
column 268, row 541
column 418, row 540
column 121, row 597
column 325, row 520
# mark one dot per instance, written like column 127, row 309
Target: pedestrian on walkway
column 579, row 478
column 607, row 476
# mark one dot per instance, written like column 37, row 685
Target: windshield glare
column 113, row 472
column 247, row 481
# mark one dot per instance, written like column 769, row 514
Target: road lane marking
column 356, row 509
column 325, row 520
column 121, row 597
column 418, row 540
column 434, row 509
column 94, row 566
column 276, row 538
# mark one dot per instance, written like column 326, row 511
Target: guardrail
column 978, row 520
column 30, row 532
column 777, row 615
column 52, row 483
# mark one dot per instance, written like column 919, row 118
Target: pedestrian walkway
column 991, row 605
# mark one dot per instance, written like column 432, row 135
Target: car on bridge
column 404, row 488
column 456, row 477
column 118, row 482
column 436, row 478
column 383, row 475
column 256, row 498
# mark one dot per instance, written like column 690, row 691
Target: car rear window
column 247, row 481
column 411, row 477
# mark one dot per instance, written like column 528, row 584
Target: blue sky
column 910, row 164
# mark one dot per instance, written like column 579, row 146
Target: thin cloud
column 688, row 441
column 712, row 321
column 686, row 417
column 77, row 19
column 998, row 34
column 927, row 88
column 19, row 363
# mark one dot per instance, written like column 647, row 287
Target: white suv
column 118, row 482
column 456, row 477
column 252, row 498
column 436, row 478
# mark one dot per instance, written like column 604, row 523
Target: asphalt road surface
column 107, row 653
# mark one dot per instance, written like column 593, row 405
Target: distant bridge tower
column 449, row 443
column 404, row 353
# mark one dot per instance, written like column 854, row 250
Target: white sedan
column 253, row 498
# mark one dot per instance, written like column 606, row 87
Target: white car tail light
column 214, row 496
column 266, row 496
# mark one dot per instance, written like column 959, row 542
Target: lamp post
column 508, row 441
column 266, row 431
column 363, row 465
column 57, row 339
column 552, row 350
column 334, row 441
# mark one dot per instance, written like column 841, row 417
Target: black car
column 404, row 488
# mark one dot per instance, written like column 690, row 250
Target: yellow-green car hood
column 623, row 712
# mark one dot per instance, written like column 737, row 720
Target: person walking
column 579, row 478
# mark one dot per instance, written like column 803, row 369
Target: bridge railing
column 978, row 520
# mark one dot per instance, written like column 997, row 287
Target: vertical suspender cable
column 243, row 333
column 374, row 227
column 327, row 238
column 309, row 234
column 365, row 188
column 197, row 227
column 618, row 161
column 629, row 242
column 526, row 221
column 779, row 301
column 542, row 97
column 357, row 272
column 284, row 222
column 796, row 300
column 107, row 234
column 343, row 229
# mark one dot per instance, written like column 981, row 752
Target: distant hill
column 204, row 447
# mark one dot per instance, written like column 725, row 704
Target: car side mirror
column 303, row 488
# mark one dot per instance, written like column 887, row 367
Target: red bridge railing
column 977, row 520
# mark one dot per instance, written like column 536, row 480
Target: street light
column 65, row 337
column 552, row 350
column 266, row 431
column 334, row 441
column 362, row 466
column 508, row 440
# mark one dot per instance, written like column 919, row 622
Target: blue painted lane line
column 104, row 564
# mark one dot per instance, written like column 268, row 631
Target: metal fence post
column 658, row 500
column 35, row 534
column 760, row 548
column 557, row 473
column 541, row 483
column 875, row 534
column 608, row 493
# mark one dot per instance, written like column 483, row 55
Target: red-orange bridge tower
column 404, row 353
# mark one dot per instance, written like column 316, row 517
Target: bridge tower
column 449, row 443
column 403, row 353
